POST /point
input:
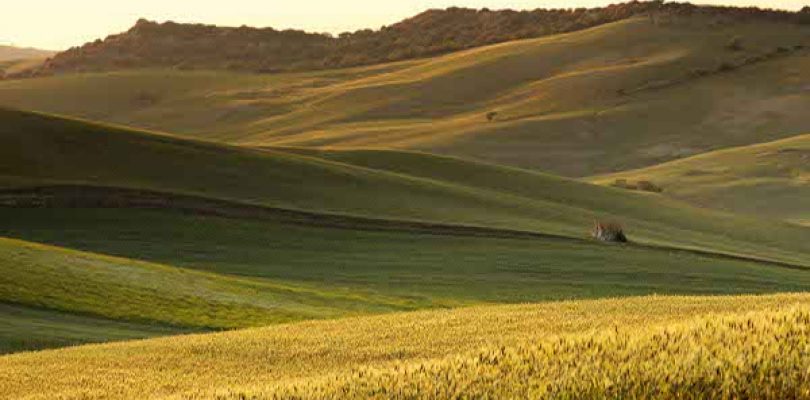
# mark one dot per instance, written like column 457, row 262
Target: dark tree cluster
column 194, row 46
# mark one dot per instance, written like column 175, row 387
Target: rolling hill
column 11, row 53
column 169, row 235
column 369, row 216
column 237, row 234
column 14, row 60
column 113, row 274
column 730, row 335
column 589, row 102
column 768, row 179
column 44, row 151
column 25, row 328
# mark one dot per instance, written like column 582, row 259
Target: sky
column 60, row 24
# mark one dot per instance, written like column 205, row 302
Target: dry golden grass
column 766, row 179
column 588, row 102
column 257, row 361
column 759, row 355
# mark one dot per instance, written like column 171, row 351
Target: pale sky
column 59, row 24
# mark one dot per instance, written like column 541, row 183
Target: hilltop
column 768, row 179
column 11, row 53
column 195, row 46
column 146, row 234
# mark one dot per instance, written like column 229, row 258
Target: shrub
column 726, row 67
column 803, row 16
column 648, row 186
column 624, row 184
column 735, row 44
column 699, row 72
column 608, row 232
column 755, row 59
column 492, row 115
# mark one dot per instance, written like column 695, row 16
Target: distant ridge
column 8, row 53
column 197, row 46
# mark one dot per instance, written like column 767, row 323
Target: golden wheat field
column 720, row 346
column 764, row 355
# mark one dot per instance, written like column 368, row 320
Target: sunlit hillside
column 759, row 340
column 11, row 53
column 710, row 358
column 16, row 59
column 433, row 32
column 376, row 189
column 583, row 103
column 189, row 235
column 769, row 179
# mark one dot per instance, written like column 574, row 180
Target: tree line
column 197, row 46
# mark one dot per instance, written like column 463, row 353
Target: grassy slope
column 208, row 104
column 118, row 288
column 258, row 273
column 642, row 209
column 25, row 329
column 290, row 272
column 558, row 98
column 15, row 59
column 8, row 67
column 254, row 360
column 391, row 270
column 769, row 179
column 38, row 149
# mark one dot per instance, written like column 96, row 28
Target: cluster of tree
column 642, row 185
column 150, row 44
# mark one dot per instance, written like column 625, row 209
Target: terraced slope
column 578, row 104
column 769, row 179
column 46, row 151
column 311, row 354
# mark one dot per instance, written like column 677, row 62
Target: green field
column 414, row 269
column 768, row 179
column 589, row 102
column 26, row 328
column 42, row 150
column 204, row 273
column 240, row 237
